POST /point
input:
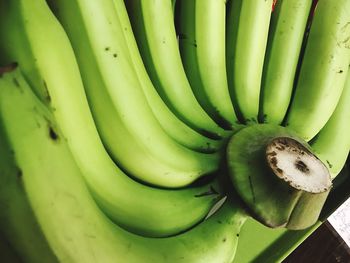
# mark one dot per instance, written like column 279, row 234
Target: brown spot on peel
column 301, row 166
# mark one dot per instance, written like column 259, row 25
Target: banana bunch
column 127, row 128
column 50, row 215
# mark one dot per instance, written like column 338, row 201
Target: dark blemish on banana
column 115, row 55
column 224, row 240
column 274, row 161
column 15, row 81
column 284, row 142
column 301, row 166
column 344, row 27
column 273, row 153
column 47, row 94
column 329, row 164
column 280, row 147
column 279, row 170
column 251, row 188
column 53, row 135
column 106, row 48
column 340, row 71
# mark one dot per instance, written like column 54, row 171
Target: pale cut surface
column 294, row 163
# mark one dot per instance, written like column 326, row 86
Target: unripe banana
column 17, row 223
column 323, row 70
column 247, row 31
column 116, row 76
column 153, row 26
column 201, row 30
column 38, row 43
column 59, row 213
column 332, row 143
column 287, row 29
column 177, row 129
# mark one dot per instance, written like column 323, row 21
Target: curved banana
column 117, row 139
column 117, row 77
column 153, row 25
column 201, row 30
column 323, row 70
column 38, row 43
column 67, row 224
column 183, row 166
column 332, row 143
column 287, row 29
column 17, row 222
column 247, row 31
column 177, row 129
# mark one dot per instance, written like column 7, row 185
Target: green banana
column 177, row 129
column 201, row 30
column 17, row 223
column 323, row 70
column 153, row 25
column 116, row 77
column 67, row 224
column 38, row 43
column 287, row 28
column 332, row 143
column 247, row 31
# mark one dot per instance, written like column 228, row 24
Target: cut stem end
column 292, row 162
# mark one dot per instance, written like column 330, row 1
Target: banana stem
column 277, row 175
column 295, row 164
